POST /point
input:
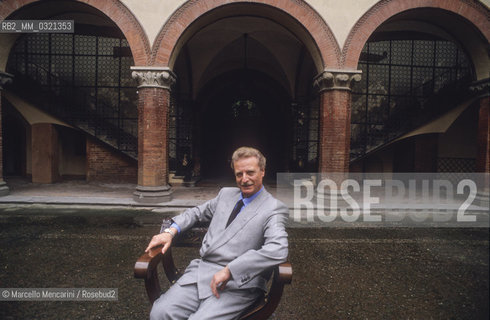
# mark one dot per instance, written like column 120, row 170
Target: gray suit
column 251, row 245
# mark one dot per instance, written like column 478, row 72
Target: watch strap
column 170, row 231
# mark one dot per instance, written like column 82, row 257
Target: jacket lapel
column 240, row 221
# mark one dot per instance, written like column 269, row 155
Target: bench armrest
column 283, row 274
column 146, row 268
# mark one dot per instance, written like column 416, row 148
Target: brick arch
column 473, row 11
column 323, row 46
column 115, row 10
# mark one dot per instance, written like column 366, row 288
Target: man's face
column 248, row 175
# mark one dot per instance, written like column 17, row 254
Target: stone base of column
column 153, row 194
column 4, row 189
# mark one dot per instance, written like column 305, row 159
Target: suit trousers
column 182, row 302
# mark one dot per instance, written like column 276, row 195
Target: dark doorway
column 243, row 108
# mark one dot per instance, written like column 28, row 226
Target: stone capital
column 333, row 79
column 481, row 88
column 153, row 77
column 5, row 78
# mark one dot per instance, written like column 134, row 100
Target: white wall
column 152, row 14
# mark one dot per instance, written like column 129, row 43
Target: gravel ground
column 338, row 273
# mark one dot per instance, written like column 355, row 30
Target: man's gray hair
column 247, row 152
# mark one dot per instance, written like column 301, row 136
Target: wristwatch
column 168, row 230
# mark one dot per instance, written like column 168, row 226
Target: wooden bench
column 146, row 268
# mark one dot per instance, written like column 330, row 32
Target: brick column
column 153, row 107
column 4, row 79
column 335, row 114
column 45, row 153
column 482, row 90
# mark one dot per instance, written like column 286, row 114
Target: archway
column 443, row 48
column 82, row 79
column 244, row 108
column 302, row 20
column 243, row 80
column 465, row 21
column 114, row 10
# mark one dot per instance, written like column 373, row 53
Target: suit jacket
column 251, row 245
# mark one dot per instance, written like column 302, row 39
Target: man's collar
column 251, row 198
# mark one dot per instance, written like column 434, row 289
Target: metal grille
column 85, row 71
column 83, row 79
column 405, row 83
column 455, row 169
column 180, row 135
column 63, row 44
column 456, row 165
column 305, row 134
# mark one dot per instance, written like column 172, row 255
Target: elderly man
column 245, row 239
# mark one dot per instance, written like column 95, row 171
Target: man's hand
column 220, row 279
column 164, row 239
